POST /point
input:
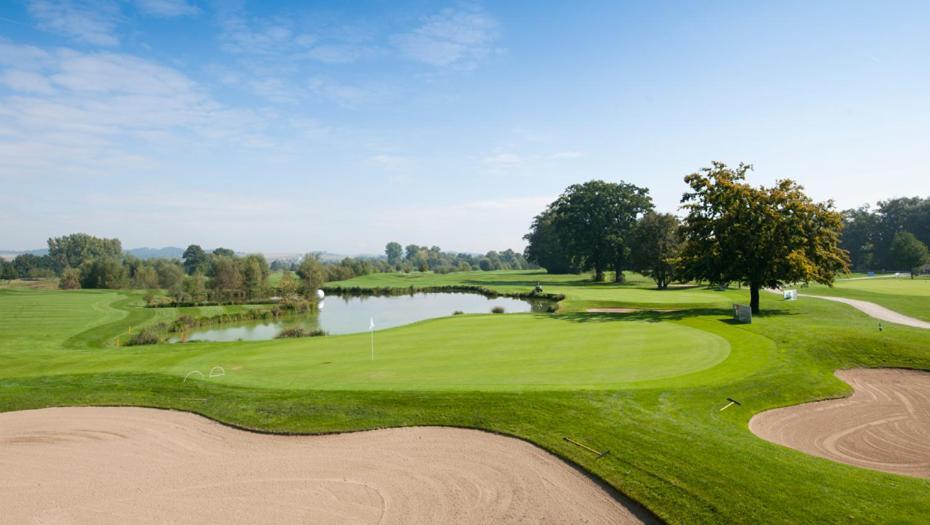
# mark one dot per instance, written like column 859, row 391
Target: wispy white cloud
column 347, row 95
column 565, row 155
column 88, row 22
column 101, row 102
column 506, row 162
column 454, row 36
column 26, row 81
column 167, row 8
column 340, row 53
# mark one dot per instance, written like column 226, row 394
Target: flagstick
column 371, row 329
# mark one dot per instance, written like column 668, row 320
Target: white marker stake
column 371, row 328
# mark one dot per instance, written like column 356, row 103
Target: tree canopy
column 72, row 250
column 909, row 252
column 656, row 247
column 592, row 223
column 762, row 237
column 870, row 232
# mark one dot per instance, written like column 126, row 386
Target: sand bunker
column 884, row 425
column 137, row 465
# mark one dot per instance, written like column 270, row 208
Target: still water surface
column 345, row 315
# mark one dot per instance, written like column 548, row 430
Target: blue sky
column 339, row 126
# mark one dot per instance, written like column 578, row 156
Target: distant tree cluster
column 413, row 258
column 731, row 232
column 891, row 236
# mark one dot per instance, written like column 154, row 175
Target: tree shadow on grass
column 655, row 316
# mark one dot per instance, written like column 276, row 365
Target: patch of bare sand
column 138, row 465
column 884, row 425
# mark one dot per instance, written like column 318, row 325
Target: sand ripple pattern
column 884, row 425
column 137, row 465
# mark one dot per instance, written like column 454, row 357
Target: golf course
column 647, row 386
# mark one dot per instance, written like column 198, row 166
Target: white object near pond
column 790, row 295
column 320, row 295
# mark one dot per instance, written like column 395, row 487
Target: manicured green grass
column 648, row 386
column 907, row 296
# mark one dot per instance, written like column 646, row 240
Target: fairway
column 907, row 296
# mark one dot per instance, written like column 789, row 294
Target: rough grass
column 671, row 448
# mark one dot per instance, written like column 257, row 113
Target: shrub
column 146, row 336
column 458, row 312
column 70, row 279
column 299, row 332
column 497, row 310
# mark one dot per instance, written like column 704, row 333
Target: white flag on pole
column 371, row 330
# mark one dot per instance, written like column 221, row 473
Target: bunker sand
column 138, row 465
column 884, row 425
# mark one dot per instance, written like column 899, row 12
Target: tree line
column 892, row 236
column 412, row 258
column 731, row 232
column 84, row 261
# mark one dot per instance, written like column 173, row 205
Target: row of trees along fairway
column 731, row 232
column 891, row 236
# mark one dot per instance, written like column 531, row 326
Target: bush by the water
column 299, row 332
column 146, row 336
column 497, row 310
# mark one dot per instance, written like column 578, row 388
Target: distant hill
column 11, row 254
column 168, row 252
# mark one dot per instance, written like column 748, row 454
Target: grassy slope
column 670, row 447
column 910, row 297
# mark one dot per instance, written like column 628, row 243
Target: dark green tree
column 104, row 272
column 545, row 248
column 595, row 220
column 909, row 253
column 656, row 247
column 195, row 260
column 394, row 252
column 7, row 270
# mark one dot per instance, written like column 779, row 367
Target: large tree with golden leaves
column 761, row 237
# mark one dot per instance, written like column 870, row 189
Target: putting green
column 475, row 352
column 485, row 352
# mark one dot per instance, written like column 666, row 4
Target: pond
column 345, row 315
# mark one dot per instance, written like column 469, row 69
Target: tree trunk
column 754, row 298
column 618, row 277
column 598, row 275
